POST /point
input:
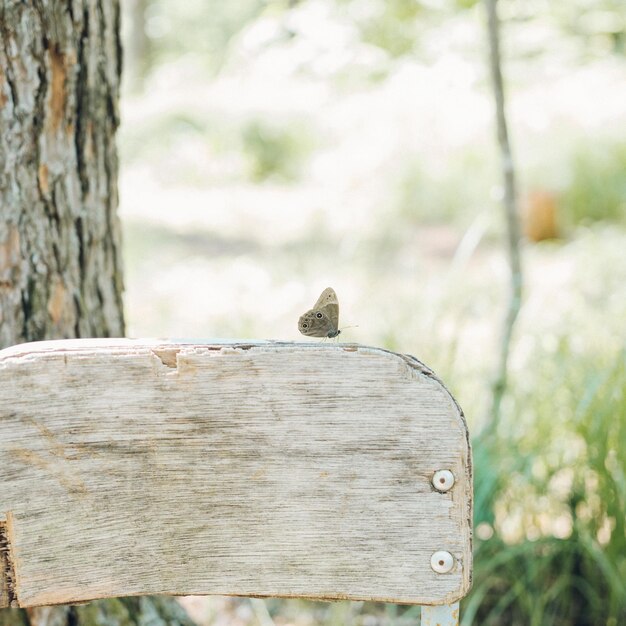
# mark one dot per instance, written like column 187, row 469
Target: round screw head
column 442, row 562
column 443, row 480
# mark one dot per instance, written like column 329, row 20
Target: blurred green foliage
column 258, row 148
column 595, row 23
column 454, row 195
column 206, row 28
column 550, row 481
column 203, row 28
column 390, row 24
column 591, row 188
column 276, row 151
column 555, row 466
column 596, row 189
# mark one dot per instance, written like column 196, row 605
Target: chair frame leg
column 444, row 615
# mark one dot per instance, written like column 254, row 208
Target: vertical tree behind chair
column 60, row 265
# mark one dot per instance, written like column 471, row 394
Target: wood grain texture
column 260, row 469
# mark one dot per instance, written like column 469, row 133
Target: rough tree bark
column 60, row 266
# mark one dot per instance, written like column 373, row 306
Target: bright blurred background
column 270, row 149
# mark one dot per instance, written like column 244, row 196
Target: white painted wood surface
column 254, row 469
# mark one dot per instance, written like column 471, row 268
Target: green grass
column 564, row 462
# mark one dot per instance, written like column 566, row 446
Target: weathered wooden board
column 266, row 469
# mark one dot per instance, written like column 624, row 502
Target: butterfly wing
column 329, row 305
column 328, row 297
column 312, row 325
column 331, row 311
column 323, row 319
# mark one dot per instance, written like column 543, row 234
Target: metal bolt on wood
column 442, row 562
column 443, row 480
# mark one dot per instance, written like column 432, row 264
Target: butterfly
column 323, row 319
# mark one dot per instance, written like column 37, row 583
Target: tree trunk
column 511, row 214
column 60, row 265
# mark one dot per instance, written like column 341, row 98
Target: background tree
column 511, row 212
column 60, row 265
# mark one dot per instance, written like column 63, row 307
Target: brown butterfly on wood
column 323, row 319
